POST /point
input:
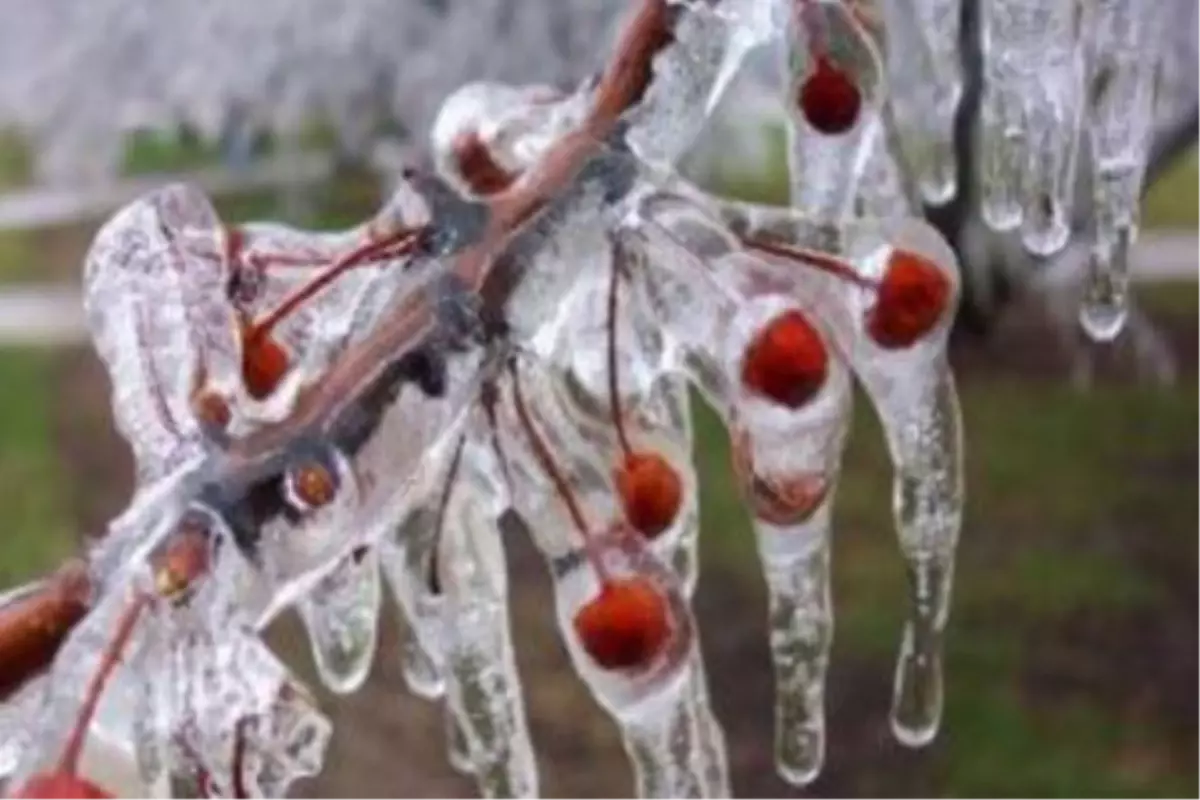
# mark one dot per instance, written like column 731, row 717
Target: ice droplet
column 1104, row 309
column 341, row 613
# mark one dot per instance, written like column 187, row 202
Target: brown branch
column 33, row 628
column 614, row 386
column 34, row 625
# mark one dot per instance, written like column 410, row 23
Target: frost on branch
column 507, row 348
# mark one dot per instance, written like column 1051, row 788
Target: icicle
column 1030, row 118
column 484, row 688
column 790, row 490
column 406, row 559
column 458, row 749
column 913, row 391
column 1124, row 63
column 834, row 89
column 341, row 614
column 926, row 85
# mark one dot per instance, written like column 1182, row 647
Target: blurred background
column 1072, row 652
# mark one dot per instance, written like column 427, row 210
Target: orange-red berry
column 787, row 361
column 211, row 409
column 829, row 98
column 313, row 484
column 60, row 784
column 478, row 167
column 624, row 626
column 264, row 363
column 911, row 300
column 650, row 491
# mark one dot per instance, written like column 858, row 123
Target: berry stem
column 440, row 521
column 237, row 767
column 69, row 761
column 544, row 457
column 614, row 392
column 818, row 36
column 812, row 258
column 394, row 245
column 542, row 452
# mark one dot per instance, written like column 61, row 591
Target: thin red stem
column 91, row 698
column 812, row 258
column 432, row 579
column 394, row 245
column 818, row 36
column 544, row 457
column 614, row 392
column 238, row 766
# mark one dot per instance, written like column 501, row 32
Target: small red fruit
column 829, row 98
column 60, row 784
column 651, row 492
column 478, row 167
column 625, row 625
column 911, row 299
column 786, row 362
column 264, row 362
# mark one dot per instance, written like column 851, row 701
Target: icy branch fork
column 355, row 392
column 362, row 373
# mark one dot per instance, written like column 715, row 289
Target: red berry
column 264, row 363
column 211, row 409
column 911, row 299
column 786, row 362
column 478, row 168
column 829, row 98
column 651, row 492
column 625, row 625
column 60, row 784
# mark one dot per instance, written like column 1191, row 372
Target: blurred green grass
column 37, row 527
